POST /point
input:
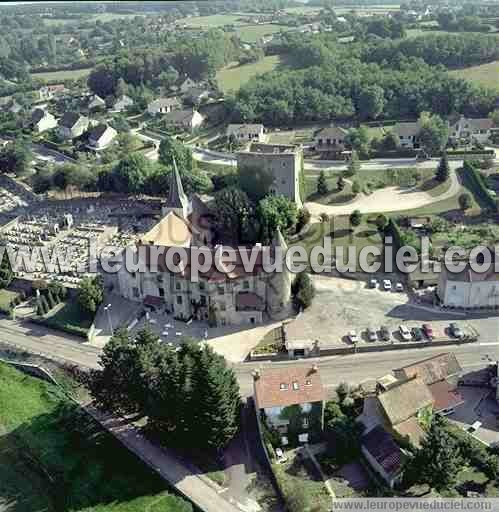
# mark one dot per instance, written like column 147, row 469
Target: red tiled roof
column 444, row 395
column 432, row 369
column 301, row 384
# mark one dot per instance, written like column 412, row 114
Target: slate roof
column 270, row 391
column 381, row 446
column 37, row 115
column 332, row 132
column 69, row 119
column 431, row 370
column 179, row 116
column 165, row 102
column 407, row 129
column 445, row 395
column 97, row 132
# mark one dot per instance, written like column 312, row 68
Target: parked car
column 399, row 287
column 371, row 334
column 352, row 337
column 428, row 331
column 281, row 458
column 387, row 284
column 417, row 333
column 373, row 283
column 474, row 427
column 456, row 331
column 385, row 333
column 405, row 334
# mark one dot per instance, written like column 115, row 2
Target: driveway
column 388, row 199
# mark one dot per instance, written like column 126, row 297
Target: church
column 232, row 297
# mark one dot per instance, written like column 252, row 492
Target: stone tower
column 279, row 283
column 177, row 201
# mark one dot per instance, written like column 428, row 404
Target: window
column 305, row 423
column 179, row 299
column 161, row 292
column 202, row 285
column 136, row 292
column 320, row 142
column 220, row 289
column 178, row 286
column 202, row 299
column 246, row 285
column 283, row 386
column 133, row 274
column 222, row 307
column 296, row 386
column 159, row 279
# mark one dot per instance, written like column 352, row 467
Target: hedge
column 479, row 186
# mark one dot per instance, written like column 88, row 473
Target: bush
column 465, row 201
column 303, row 291
column 303, row 219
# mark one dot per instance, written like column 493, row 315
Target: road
column 336, row 369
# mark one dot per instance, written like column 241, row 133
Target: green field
column 486, row 74
column 69, row 74
column 68, row 317
column 234, row 76
column 53, row 457
column 252, row 33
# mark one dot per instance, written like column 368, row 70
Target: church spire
column 177, row 200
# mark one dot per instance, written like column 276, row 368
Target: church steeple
column 177, row 200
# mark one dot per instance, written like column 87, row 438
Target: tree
column 322, row 188
column 439, row 460
column 131, row 174
column 233, row 211
column 15, row 158
column 340, row 185
column 465, row 201
column 255, row 181
column 6, row 272
column 390, row 141
column 358, row 140
column 302, row 219
column 275, row 212
column 443, row 170
column 434, row 132
column 355, row 218
column 355, row 187
column 171, row 149
column 90, row 294
column 371, row 102
column 303, row 291
column 353, row 165
column 169, row 77
column 381, row 222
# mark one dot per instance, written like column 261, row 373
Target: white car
column 281, row 458
column 405, row 334
column 399, row 287
column 387, row 284
column 373, row 283
column 352, row 337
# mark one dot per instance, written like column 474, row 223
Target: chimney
column 256, row 374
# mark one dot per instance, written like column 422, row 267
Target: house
column 240, row 295
column 283, row 161
column 101, row 136
column 246, row 132
column 187, row 119
column 41, row 120
column 474, row 130
column 47, row 92
column 122, row 103
column 383, row 455
column 164, row 105
column 469, row 289
column 72, row 125
column 291, row 401
column 196, row 95
column 405, row 400
column 95, row 102
column 407, row 134
column 331, row 139
column 186, row 84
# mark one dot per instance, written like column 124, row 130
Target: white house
column 41, row 120
column 186, row 119
column 72, row 125
column 477, row 130
column 122, row 103
column 469, row 289
column 101, row 136
column 164, row 105
column 96, row 102
column 246, row 132
column 407, row 134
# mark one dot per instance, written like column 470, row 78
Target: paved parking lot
column 342, row 305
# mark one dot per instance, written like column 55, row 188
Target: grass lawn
column 485, row 75
column 252, row 33
column 53, row 457
column 70, row 74
column 234, row 76
column 70, row 318
column 6, row 298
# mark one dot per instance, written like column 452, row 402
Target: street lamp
column 106, row 309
